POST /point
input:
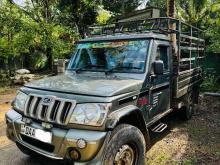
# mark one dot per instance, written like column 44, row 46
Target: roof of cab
column 128, row 36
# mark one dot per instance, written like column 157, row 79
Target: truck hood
column 87, row 85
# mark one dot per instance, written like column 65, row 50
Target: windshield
column 114, row 56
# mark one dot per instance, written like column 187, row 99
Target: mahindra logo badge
column 47, row 100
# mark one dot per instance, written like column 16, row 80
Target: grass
column 4, row 89
column 191, row 161
column 8, row 89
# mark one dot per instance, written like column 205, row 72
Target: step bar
column 159, row 128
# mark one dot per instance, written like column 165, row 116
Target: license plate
column 37, row 134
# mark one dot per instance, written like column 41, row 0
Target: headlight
column 19, row 101
column 90, row 114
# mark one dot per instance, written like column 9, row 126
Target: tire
column 125, row 140
column 187, row 111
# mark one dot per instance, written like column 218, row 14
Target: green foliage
column 213, row 28
column 63, row 38
column 103, row 16
column 158, row 3
column 191, row 161
column 28, row 33
column 77, row 14
column 5, row 78
column 204, row 14
column 194, row 12
column 120, row 6
column 10, row 25
column 213, row 37
column 210, row 83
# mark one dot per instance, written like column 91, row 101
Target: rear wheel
column 186, row 112
column 126, row 146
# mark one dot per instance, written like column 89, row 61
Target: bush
column 5, row 78
column 210, row 83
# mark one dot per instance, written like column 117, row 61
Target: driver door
column 160, row 84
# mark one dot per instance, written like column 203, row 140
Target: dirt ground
column 194, row 142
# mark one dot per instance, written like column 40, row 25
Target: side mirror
column 158, row 67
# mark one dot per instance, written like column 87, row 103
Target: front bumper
column 62, row 141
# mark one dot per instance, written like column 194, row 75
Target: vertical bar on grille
column 36, row 107
column 27, row 105
column 33, row 106
column 39, row 110
column 50, row 110
column 54, row 110
column 68, row 114
column 65, row 111
column 44, row 112
column 59, row 112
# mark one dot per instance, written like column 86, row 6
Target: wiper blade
column 87, row 66
column 120, row 67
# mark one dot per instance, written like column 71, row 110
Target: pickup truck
column 119, row 84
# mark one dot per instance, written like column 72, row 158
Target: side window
column 162, row 54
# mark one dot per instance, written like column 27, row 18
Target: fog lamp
column 74, row 154
column 81, row 143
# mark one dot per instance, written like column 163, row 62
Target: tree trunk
column 171, row 13
column 76, row 17
column 49, row 58
column 171, row 8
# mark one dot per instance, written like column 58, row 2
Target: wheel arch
column 129, row 115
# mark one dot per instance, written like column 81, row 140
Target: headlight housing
column 19, row 101
column 92, row 114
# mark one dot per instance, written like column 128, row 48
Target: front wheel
column 126, row 146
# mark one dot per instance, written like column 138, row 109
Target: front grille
column 49, row 108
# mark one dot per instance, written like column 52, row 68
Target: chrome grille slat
column 27, row 103
column 66, row 112
column 57, row 110
column 32, row 106
column 49, row 110
column 44, row 112
column 36, row 107
column 39, row 110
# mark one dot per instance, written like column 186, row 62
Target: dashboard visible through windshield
column 114, row 56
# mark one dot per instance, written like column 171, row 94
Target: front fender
column 130, row 115
column 115, row 116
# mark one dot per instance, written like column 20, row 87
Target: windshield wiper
column 87, row 66
column 120, row 67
